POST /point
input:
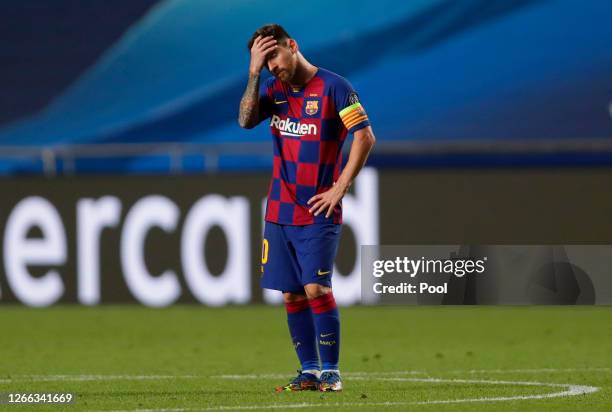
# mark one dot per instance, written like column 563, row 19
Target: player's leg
column 318, row 245
column 327, row 327
column 280, row 271
column 302, row 331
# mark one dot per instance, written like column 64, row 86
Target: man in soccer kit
column 311, row 111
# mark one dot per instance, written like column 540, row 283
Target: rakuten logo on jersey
column 290, row 128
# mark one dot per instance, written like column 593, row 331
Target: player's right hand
column 261, row 47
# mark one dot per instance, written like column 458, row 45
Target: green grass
column 193, row 345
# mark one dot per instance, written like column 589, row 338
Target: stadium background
column 493, row 125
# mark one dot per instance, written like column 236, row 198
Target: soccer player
column 312, row 110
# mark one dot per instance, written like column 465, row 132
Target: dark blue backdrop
column 426, row 70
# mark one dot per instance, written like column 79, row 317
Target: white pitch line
column 416, row 372
column 348, row 374
column 540, row 370
column 570, row 390
column 79, row 378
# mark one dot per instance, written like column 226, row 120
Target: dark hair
column 274, row 30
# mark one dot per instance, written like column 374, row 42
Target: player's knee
column 290, row 297
column 314, row 290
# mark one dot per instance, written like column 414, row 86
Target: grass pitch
column 129, row 358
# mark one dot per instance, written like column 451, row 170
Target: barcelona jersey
column 309, row 126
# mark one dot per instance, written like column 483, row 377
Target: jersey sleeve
column 349, row 108
column 265, row 99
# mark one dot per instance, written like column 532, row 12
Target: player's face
column 282, row 62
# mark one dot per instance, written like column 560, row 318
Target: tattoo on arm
column 249, row 105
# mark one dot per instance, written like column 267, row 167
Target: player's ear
column 293, row 45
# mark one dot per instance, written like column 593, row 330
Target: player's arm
column 249, row 115
column 363, row 141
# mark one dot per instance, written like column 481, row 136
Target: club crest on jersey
column 312, row 107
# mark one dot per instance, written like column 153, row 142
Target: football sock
column 314, row 372
column 302, row 330
column 327, row 327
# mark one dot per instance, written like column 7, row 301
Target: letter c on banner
column 232, row 216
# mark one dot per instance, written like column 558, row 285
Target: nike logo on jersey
column 326, row 335
column 280, row 101
column 321, row 273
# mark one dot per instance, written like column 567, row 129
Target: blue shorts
column 294, row 256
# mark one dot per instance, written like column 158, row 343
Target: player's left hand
column 327, row 201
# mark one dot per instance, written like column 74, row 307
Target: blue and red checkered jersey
column 309, row 126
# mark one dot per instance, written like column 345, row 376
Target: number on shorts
column 264, row 252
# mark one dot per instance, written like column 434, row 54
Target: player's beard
column 283, row 75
